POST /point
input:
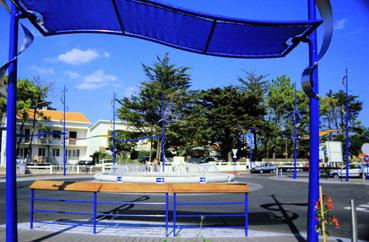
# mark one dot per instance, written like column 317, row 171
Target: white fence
column 86, row 169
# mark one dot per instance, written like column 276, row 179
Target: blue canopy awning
column 168, row 25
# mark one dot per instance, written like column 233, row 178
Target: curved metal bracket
column 325, row 10
column 28, row 39
column 307, row 85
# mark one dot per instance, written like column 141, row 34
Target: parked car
column 86, row 162
column 196, row 160
column 213, row 158
column 290, row 166
column 355, row 170
column 266, row 167
column 143, row 159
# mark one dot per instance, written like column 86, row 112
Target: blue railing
column 95, row 214
column 203, row 215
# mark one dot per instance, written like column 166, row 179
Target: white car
column 354, row 170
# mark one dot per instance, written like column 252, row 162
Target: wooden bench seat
column 209, row 188
column 138, row 187
column 66, row 186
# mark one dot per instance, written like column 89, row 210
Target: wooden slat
column 83, row 186
column 135, row 188
column 209, row 188
column 66, row 186
column 46, row 185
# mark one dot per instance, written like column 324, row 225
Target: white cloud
column 130, row 91
column 80, row 57
column 340, row 24
column 72, row 75
column 41, row 70
column 97, row 79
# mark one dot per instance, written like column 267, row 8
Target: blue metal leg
column 31, row 206
column 11, row 183
column 64, row 137
column 95, row 205
column 174, row 213
column 246, row 214
column 166, row 213
column 312, row 235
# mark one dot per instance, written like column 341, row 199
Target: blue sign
column 119, row 179
column 250, row 140
column 202, row 179
column 160, row 179
column 366, row 158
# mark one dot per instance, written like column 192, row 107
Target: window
column 72, row 137
column 27, row 133
column 69, row 153
column 73, row 134
column 41, row 152
column 75, row 153
column 56, row 134
column 56, row 152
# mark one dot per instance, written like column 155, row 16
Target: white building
column 49, row 148
column 81, row 143
column 101, row 131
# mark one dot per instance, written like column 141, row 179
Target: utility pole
column 347, row 126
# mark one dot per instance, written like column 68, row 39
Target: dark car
column 213, row 158
column 266, row 167
column 144, row 159
column 86, row 162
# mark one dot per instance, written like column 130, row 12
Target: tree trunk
column 150, row 155
column 255, row 147
column 29, row 153
column 19, row 139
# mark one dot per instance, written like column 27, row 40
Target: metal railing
column 94, row 213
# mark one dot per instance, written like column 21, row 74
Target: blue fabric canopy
column 168, row 25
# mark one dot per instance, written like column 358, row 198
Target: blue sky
column 93, row 66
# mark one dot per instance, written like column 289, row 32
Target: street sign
column 334, row 151
column 366, row 158
column 234, row 151
column 365, row 148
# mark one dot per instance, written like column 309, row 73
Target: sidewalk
column 323, row 180
column 33, row 177
column 68, row 233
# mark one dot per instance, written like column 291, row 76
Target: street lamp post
column 294, row 134
column 113, row 133
column 347, row 126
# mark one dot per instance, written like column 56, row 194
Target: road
column 276, row 206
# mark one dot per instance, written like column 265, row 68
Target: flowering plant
column 323, row 208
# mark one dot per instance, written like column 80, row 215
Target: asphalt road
column 278, row 206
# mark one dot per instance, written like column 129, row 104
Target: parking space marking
column 361, row 208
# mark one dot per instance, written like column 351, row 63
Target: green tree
column 144, row 110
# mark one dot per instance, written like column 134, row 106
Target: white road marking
column 361, row 208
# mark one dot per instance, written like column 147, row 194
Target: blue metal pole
column 347, row 127
column 174, row 214
column 11, row 182
column 65, row 133
column 246, row 214
column 95, row 207
column 113, row 134
column 31, row 207
column 294, row 135
column 162, row 132
column 251, row 141
column 312, row 235
column 166, row 214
